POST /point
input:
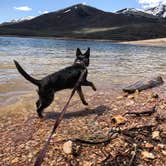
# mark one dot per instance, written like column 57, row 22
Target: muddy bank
column 23, row 133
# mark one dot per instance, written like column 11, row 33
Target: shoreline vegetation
column 159, row 42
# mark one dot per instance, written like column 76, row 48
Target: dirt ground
column 130, row 140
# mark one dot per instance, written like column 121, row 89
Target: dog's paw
column 40, row 115
column 94, row 88
column 85, row 103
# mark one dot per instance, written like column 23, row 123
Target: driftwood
column 149, row 112
column 144, row 84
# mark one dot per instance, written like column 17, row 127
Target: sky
column 15, row 9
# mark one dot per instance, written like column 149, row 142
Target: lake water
column 112, row 66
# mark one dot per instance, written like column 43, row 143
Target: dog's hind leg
column 80, row 93
column 43, row 103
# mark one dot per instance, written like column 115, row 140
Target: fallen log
column 144, row 84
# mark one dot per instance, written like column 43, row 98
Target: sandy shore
column 151, row 42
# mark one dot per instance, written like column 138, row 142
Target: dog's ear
column 87, row 53
column 78, row 52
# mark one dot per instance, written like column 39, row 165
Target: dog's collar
column 79, row 63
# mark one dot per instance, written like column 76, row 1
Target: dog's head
column 82, row 59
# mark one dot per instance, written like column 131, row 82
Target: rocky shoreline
column 23, row 133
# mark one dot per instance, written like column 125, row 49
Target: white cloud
column 43, row 12
column 150, row 3
column 23, row 8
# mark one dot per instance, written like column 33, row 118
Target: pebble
column 119, row 97
column 15, row 160
column 118, row 119
column 130, row 103
column 67, row 147
column 156, row 135
column 87, row 163
column 130, row 97
column 147, row 155
column 149, row 146
column 159, row 147
column 155, row 95
column 164, row 152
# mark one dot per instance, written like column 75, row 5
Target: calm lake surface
column 112, row 66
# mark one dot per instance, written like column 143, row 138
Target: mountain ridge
column 86, row 22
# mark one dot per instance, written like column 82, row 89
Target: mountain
column 135, row 13
column 159, row 10
column 17, row 20
column 86, row 22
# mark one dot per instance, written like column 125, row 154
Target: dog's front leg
column 88, row 83
column 80, row 93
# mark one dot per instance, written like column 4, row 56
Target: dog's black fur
column 63, row 79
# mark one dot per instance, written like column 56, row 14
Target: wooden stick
column 149, row 112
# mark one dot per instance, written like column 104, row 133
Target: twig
column 149, row 112
column 145, row 127
column 133, row 155
column 106, row 141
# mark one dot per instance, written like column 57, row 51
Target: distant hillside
column 85, row 22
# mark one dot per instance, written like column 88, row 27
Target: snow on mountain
column 18, row 20
column 22, row 19
column 134, row 12
column 67, row 11
column 159, row 10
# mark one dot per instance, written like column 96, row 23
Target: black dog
column 63, row 79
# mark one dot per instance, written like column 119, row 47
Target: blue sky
column 14, row 9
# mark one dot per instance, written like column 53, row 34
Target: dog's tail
column 26, row 75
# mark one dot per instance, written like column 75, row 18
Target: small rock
column 30, row 155
column 164, row 152
column 87, row 163
column 149, row 146
column 119, row 98
column 15, row 160
column 136, row 92
column 130, row 97
column 155, row 95
column 162, row 107
column 125, row 94
column 147, row 155
column 67, row 147
column 163, row 134
column 159, row 147
column 130, row 103
column 101, row 93
column 22, row 146
column 114, row 109
column 156, row 135
column 118, row 119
